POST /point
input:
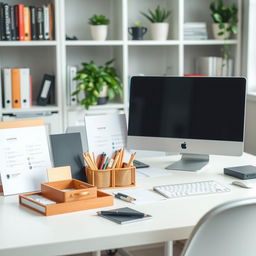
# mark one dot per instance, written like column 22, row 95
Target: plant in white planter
column 158, row 27
column 98, row 83
column 225, row 20
column 99, row 27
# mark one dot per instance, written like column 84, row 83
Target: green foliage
column 224, row 14
column 158, row 15
column 91, row 80
column 138, row 24
column 98, row 20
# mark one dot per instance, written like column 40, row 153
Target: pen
column 121, row 213
column 127, row 199
column 126, row 196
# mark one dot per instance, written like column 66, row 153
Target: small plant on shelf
column 225, row 19
column 99, row 26
column 99, row 83
column 137, row 31
column 159, row 27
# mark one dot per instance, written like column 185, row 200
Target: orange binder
column 51, row 20
column 16, row 88
column 21, row 21
column 27, row 25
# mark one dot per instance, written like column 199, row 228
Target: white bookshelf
column 175, row 56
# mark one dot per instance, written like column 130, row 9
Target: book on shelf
column 24, row 23
column 214, row 66
column 195, row 31
column 17, row 88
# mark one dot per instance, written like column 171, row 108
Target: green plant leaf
column 217, row 17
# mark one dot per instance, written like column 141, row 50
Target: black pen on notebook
column 122, row 213
column 124, row 197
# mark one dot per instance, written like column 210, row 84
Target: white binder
column 7, row 80
column 72, row 100
column 25, row 87
column 46, row 23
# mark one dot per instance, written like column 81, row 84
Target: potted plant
column 137, row 31
column 158, row 27
column 99, row 27
column 225, row 20
column 98, row 83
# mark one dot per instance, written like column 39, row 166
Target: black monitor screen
column 187, row 107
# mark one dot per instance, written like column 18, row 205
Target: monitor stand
column 190, row 162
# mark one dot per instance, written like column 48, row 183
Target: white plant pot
column 103, row 95
column 216, row 30
column 99, row 32
column 159, row 31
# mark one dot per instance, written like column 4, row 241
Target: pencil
column 93, row 163
column 131, row 160
column 116, row 159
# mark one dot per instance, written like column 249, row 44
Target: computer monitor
column 195, row 116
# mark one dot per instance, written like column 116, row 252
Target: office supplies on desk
column 241, row 172
column 67, row 151
column 139, row 164
column 191, row 189
column 124, row 197
column 125, row 215
column 24, row 151
column 251, row 183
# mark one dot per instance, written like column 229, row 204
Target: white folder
column 25, row 87
column 7, row 80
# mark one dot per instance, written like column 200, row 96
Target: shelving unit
column 175, row 56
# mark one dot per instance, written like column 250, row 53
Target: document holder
column 112, row 178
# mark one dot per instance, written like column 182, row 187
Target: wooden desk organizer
column 112, row 178
column 68, row 190
column 102, row 200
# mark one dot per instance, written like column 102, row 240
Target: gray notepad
column 125, row 219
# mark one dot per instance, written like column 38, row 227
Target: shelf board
column 28, row 43
column 30, row 110
column 108, row 106
column 152, row 42
column 209, row 42
column 93, row 43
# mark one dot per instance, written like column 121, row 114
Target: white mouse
column 245, row 183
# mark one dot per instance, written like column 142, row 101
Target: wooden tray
column 102, row 200
column 68, row 190
column 112, row 178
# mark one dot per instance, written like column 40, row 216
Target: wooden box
column 102, row 200
column 112, row 178
column 68, row 190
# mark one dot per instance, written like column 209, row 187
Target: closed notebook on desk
column 125, row 219
column 67, row 151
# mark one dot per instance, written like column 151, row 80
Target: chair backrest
column 227, row 230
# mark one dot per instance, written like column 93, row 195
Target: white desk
column 24, row 232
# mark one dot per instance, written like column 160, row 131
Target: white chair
column 227, row 230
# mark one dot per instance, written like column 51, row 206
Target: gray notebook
column 67, row 150
column 125, row 219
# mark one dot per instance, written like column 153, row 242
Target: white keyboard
column 191, row 189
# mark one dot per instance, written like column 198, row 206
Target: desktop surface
column 25, row 232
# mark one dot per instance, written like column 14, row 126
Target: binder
column 46, row 23
column 46, row 87
column 16, row 88
column 2, row 37
column 51, row 21
column 72, row 100
column 7, row 79
column 33, row 22
column 7, row 22
column 21, row 21
column 25, row 87
column 16, row 14
column 13, row 23
column 39, row 23
column 27, row 24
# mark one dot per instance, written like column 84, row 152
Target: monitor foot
column 190, row 162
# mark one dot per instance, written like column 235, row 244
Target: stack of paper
column 195, row 31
